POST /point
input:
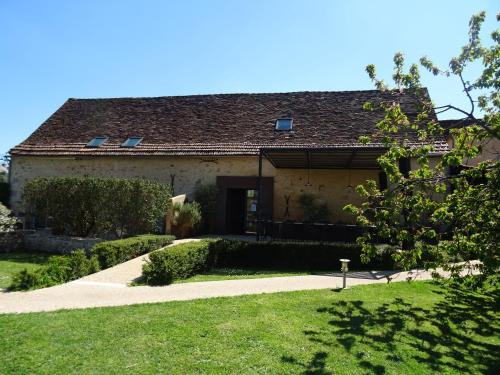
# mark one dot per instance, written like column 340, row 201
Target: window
column 132, row 142
column 284, row 124
column 97, row 142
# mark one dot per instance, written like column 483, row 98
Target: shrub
column 186, row 218
column 64, row 268
column 184, row 260
column 110, row 253
column 7, row 222
column 206, row 196
column 58, row 270
column 286, row 255
column 88, row 206
column 26, row 280
column 142, row 205
column 312, row 209
column 176, row 262
column 80, row 265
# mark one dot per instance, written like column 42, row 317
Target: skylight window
column 132, row 142
column 97, row 142
column 284, row 124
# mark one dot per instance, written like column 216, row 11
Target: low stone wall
column 47, row 242
column 11, row 241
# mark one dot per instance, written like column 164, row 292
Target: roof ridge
column 237, row 94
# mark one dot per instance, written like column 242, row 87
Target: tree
column 7, row 221
column 444, row 214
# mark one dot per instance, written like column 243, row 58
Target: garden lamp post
column 344, row 270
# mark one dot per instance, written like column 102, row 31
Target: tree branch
column 466, row 89
column 449, row 106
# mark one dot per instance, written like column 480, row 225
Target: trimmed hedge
column 59, row 269
column 111, row 253
column 64, row 268
column 185, row 260
column 300, row 256
column 93, row 206
column 177, row 262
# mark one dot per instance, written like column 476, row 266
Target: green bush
column 7, row 222
column 186, row 218
column 81, row 265
column 313, row 211
column 176, row 262
column 110, row 253
column 206, row 196
column 58, row 270
column 287, row 255
column 185, row 260
column 26, row 280
column 89, row 206
column 64, row 268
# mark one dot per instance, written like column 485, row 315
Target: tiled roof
column 459, row 123
column 225, row 124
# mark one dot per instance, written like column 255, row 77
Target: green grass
column 400, row 328
column 218, row 274
column 12, row 263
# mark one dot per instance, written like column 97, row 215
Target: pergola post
column 259, row 199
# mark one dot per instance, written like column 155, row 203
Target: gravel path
column 109, row 288
column 126, row 272
column 90, row 292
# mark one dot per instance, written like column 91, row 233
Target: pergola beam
column 326, row 158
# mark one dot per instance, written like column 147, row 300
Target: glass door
column 251, row 211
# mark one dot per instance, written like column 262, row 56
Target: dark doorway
column 236, row 207
column 241, row 215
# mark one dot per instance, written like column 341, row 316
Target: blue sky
column 52, row 50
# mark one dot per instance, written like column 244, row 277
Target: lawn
column 218, row 274
column 400, row 328
column 11, row 263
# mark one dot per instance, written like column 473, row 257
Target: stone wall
column 11, row 241
column 331, row 186
column 43, row 241
column 46, row 242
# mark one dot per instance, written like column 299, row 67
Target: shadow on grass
column 246, row 272
column 452, row 335
column 25, row 257
column 315, row 367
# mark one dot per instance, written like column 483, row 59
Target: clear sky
column 52, row 50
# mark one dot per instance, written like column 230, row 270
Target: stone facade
column 46, row 242
column 333, row 187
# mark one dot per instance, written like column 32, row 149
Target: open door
column 236, row 206
column 241, row 215
column 236, row 210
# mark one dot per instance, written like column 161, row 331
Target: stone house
column 281, row 145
